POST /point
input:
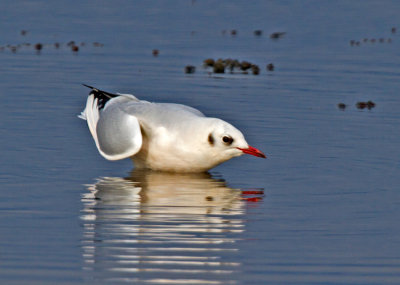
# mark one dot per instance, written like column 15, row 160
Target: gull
column 160, row 136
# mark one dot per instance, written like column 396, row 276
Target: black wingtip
column 102, row 96
column 88, row 86
column 95, row 90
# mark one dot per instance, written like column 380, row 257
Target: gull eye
column 227, row 140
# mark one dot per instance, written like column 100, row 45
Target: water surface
column 322, row 209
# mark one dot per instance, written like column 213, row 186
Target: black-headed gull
column 160, row 136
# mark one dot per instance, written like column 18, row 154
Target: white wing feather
column 117, row 134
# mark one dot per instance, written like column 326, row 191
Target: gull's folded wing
column 117, row 134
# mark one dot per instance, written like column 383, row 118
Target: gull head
column 224, row 141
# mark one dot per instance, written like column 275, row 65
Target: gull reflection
column 155, row 227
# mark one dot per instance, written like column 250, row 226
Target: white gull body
column 160, row 136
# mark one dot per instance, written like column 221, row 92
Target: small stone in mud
column 155, row 52
column 24, row 32
column 393, row 30
column 233, row 32
column 270, row 67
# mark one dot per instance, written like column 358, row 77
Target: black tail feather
column 102, row 96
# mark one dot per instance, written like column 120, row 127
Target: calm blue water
column 322, row 209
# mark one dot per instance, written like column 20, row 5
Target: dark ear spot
column 210, row 139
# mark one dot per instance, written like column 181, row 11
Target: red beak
column 253, row 151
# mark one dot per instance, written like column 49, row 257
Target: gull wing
column 117, row 134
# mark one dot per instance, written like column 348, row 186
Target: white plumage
column 160, row 136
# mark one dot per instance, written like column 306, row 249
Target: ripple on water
column 163, row 228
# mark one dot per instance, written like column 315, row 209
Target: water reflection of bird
column 154, row 226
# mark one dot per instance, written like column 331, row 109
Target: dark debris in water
column 189, row 69
column 38, row 47
column 361, row 105
column 75, row 48
column 231, row 65
column 270, row 67
column 209, row 62
column 219, row 67
column 372, row 41
column 258, row 33
column 277, row 35
column 342, row 106
column 255, row 69
column 381, row 40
